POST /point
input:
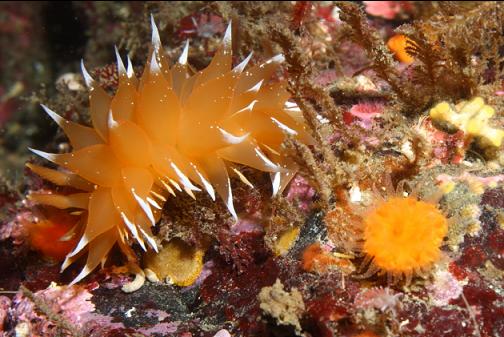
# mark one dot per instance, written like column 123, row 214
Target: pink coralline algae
column 471, row 179
column 302, row 192
column 16, row 228
column 161, row 328
column 326, row 77
column 222, row 333
column 363, row 114
column 444, row 288
column 446, row 148
column 387, row 9
column 246, row 226
column 72, row 303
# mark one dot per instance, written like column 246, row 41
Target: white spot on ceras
column 232, row 139
column 185, row 52
column 240, row 67
column 120, row 65
column 145, row 207
column 284, row 127
column 129, row 71
column 265, row 159
column 87, row 78
column 156, row 40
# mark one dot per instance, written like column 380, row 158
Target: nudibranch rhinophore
column 169, row 130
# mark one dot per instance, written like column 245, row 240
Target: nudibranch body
column 169, row 130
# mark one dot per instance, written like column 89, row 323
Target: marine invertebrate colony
column 472, row 117
column 170, row 130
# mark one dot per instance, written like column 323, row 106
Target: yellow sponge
column 472, row 118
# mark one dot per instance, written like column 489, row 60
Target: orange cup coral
column 399, row 235
column 402, row 236
column 170, row 130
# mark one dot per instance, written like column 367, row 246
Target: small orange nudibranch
column 397, row 44
column 168, row 131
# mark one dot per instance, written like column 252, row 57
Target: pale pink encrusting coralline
column 16, row 229
column 364, row 114
column 446, row 148
column 72, row 303
column 247, row 225
column 222, row 333
column 444, row 288
column 302, row 192
column 387, row 9
column 491, row 181
column 161, row 328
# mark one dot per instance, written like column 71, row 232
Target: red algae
column 449, row 323
column 241, row 267
column 239, row 250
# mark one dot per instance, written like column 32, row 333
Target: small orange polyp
column 397, row 44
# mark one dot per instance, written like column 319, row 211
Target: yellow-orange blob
column 403, row 236
column 397, row 44
column 286, row 240
column 177, row 262
column 315, row 259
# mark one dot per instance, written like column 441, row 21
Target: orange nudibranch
column 171, row 130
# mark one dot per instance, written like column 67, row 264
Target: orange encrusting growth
column 316, row 259
column 168, row 131
column 403, row 236
column 48, row 235
column 397, row 44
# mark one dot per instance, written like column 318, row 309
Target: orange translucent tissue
column 168, row 131
column 397, row 44
column 403, row 236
